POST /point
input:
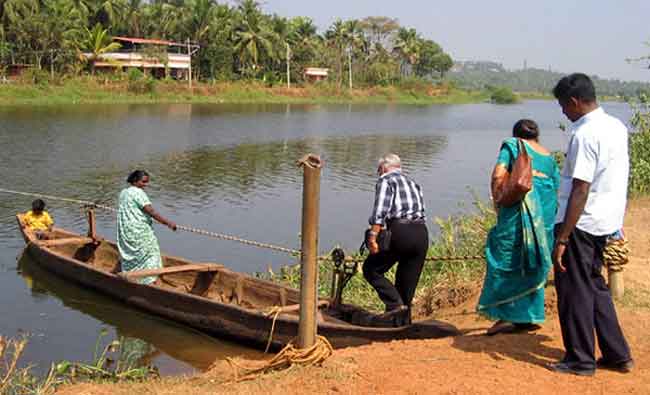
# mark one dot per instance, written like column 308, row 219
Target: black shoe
column 527, row 327
column 395, row 317
column 563, row 367
column 621, row 367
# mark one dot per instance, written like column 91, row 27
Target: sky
column 595, row 37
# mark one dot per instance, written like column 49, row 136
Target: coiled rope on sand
column 287, row 357
column 616, row 254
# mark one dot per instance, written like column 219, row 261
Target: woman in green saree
column 136, row 241
column 518, row 249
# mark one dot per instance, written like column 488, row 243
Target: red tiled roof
column 144, row 41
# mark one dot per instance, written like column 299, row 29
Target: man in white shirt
column 591, row 206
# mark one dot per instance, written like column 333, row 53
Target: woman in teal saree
column 518, row 248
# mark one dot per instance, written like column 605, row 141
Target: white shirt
column 598, row 154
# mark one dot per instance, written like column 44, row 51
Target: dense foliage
column 236, row 42
column 640, row 148
column 479, row 75
column 502, row 95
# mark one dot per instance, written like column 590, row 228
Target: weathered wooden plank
column 208, row 267
column 64, row 241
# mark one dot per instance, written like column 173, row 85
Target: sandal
column 500, row 327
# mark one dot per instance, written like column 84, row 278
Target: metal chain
column 222, row 236
column 428, row 259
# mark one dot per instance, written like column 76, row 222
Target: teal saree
column 518, row 248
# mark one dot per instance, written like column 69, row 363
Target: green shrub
column 36, row 76
column 503, row 95
column 139, row 83
column 640, row 147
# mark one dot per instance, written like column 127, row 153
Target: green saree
column 518, row 249
column 138, row 245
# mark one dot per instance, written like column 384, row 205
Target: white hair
column 389, row 161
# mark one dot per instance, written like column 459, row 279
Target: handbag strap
column 522, row 147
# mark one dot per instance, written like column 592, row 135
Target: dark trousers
column 585, row 304
column 408, row 246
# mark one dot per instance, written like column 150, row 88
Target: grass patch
column 126, row 89
column 636, row 297
column 119, row 361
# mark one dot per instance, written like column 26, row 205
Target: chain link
column 352, row 259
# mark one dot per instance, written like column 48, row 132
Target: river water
column 229, row 169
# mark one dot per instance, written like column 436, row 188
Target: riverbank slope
column 98, row 90
column 468, row 364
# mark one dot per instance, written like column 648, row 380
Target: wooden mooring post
column 615, row 283
column 307, row 327
column 92, row 223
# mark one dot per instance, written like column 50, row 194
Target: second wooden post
column 307, row 327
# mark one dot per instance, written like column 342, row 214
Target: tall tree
column 379, row 31
column 252, row 38
column 407, row 47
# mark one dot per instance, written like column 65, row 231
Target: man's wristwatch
column 564, row 242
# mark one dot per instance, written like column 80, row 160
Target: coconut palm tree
column 407, row 47
column 252, row 37
column 94, row 43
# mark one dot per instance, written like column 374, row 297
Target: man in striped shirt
column 399, row 206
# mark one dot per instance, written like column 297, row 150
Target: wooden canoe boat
column 208, row 296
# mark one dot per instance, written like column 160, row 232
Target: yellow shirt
column 38, row 222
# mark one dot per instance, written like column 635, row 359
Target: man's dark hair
column 136, row 176
column 38, row 205
column 526, row 129
column 576, row 85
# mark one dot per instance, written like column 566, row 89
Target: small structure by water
column 159, row 57
column 315, row 74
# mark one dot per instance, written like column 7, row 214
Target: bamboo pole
column 307, row 327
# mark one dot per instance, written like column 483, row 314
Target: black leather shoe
column 621, row 367
column 397, row 316
column 563, row 367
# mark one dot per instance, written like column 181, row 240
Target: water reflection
column 156, row 340
column 240, row 174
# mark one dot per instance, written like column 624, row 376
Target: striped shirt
column 396, row 196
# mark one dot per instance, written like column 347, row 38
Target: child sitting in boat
column 39, row 220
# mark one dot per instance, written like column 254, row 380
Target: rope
column 180, row 227
column 275, row 312
column 616, row 254
column 239, row 240
column 62, row 199
column 286, row 358
column 308, row 161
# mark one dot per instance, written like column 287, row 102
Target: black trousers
column 585, row 304
column 408, row 246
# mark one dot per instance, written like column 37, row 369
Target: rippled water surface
column 229, row 169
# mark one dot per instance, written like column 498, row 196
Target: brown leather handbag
column 519, row 181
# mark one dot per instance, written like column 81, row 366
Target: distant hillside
column 481, row 74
